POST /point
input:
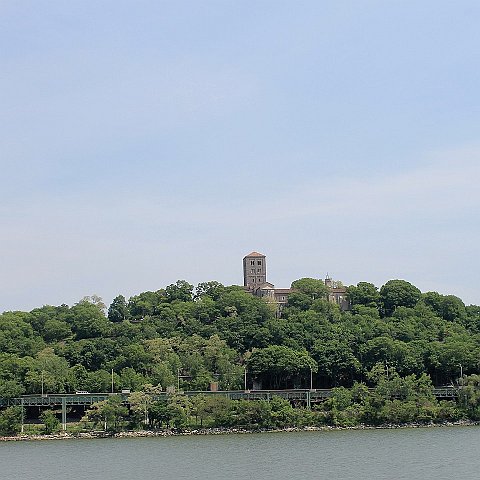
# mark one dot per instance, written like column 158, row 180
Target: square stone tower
column 254, row 270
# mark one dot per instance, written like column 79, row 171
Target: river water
column 411, row 453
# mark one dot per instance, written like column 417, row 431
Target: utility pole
column 23, row 413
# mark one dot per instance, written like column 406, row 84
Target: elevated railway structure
column 298, row 397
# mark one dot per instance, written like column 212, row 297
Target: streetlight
column 245, row 378
column 311, row 378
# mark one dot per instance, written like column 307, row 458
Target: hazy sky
column 142, row 142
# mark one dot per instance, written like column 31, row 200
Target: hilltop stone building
column 255, row 282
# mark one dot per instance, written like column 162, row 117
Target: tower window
column 259, row 262
column 252, row 262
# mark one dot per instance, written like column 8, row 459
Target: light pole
column 311, row 378
column 245, row 378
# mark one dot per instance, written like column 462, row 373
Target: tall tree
column 50, row 422
column 363, row 294
column 10, row 420
column 312, row 287
column 398, row 293
column 118, row 311
column 278, row 366
column 181, row 290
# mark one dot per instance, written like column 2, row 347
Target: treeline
column 190, row 337
column 393, row 400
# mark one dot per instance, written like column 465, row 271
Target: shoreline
column 224, row 431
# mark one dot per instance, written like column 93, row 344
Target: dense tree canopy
column 312, row 287
column 398, row 293
column 363, row 294
column 191, row 337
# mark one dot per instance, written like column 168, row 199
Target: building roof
column 254, row 254
column 283, row 290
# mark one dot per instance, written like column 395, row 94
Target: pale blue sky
column 146, row 141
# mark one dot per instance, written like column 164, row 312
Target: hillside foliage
column 212, row 333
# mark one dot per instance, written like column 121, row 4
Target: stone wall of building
column 255, row 281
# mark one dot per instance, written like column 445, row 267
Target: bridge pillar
column 64, row 413
column 309, row 403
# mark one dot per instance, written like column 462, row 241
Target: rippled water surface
column 424, row 453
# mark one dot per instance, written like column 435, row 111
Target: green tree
column 214, row 290
column 145, row 304
column 455, row 353
column 299, row 301
column 130, row 379
column 87, row 320
column 110, row 413
column 282, row 413
column 312, row 287
column 181, row 290
column 336, row 360
column 214, row 407
column 17, row 335
column 277, row 366
column 11, row 420
column 178, row 408
column 469, row 396
column 398, row 293
column 449, row 307
column 363, row 294
column 242, row 319
column 165, row 362
column 39, row 316
column 77, row 378
column 51, row 423
column 251, row 414
column 118, row 310
column 56, row 330
column 47, row 371
column 159, row 413
column 11, row 389
column 140, row 404
column 100, row 381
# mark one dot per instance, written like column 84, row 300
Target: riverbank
column 223, row 431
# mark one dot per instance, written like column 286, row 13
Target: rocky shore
column 220, row 431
